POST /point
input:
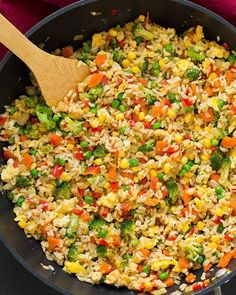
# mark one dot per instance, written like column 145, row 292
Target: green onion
column 20, row 201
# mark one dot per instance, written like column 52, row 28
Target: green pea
column 126, row 187
column 115, row 103
column 232, row 59
column 84, row 144
column 220, row 103
column 122, row 108
column 138, row 40
column 120, row 96
column 169, row 48
column 122, row 130
column 133, row 162
column 171, row 96
column 200, row 259
column 56, row 118
column 161, row 175
column 127, row 256
column 33, row 152
column 94, row 110
column 219, row 190
column 163, row 276
column 88, row 200
column 20, row 201
column 87, row 155
column 219, row 197
column 214, row 142
column 182, row 172
column 60, row 162
column 102, row 233
column 156, row 125
column 34, row 173
column 146, row 269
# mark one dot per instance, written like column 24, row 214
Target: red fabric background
column 25, row 13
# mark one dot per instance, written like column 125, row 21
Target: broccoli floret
column 73, row 126
column 193, row 74
column 73, row 226
column 195, row 55
column 87, row 46
column 63, row 191
column 224, row 171
column 30, row 102
column 216, row 161
column 118, row 56
column 101, row 250
column 32, row 131
column 192, row 251
column 173, row 190
column 148, row 147
column 97, row 224
column 73, row 253
column 100, row 151
column 139, row 31
column 127, row 227
column 96, row 91
column 144, row 66
column 45, row 115
column 22, row 182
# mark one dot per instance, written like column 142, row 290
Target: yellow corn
column 124, row 164
column 184, row 160
column 98, row 161
column 141, row 116
column 205, row 157
column 65, row 177
column 200, row 225
column 131, row 55
column 135, row 169
column 107, row 185
column 135, row 70
column 215, row 239
column 125, row 63
column 198, row 203
column 148, row 286
column 112, row 32
column 178, row 137
column 197, row 128
column 151, row 54
column 171, row 113
column 188, row 117
column 119, row 117
column 212, row 76
column 153, row 173
column 70, row 146
column 141, row 18
column 163, row 205
column 185, row 226
column 219, row 212
column 191, row 156
column 207, row 143
column 199, row 240
column 167, row 168
column 42, row 127
column 161, row 62
column 212, row 245
column 73, row 267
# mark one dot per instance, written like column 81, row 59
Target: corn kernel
column 173, row 209
column 98, row 161
column 200, row 225
column 136, row 180
column 131, row 55
column 153, row 173
column 171, row 113
column 141, row 116
column 70, row 146
column 148, row 286
column 42, row 127
column 141, row 18
column 167, row 168
column 163, row 205
column 199, row 240
column 107, row 185
column 205, row 157
column 219, row 212
column 86, row 110
column 207, row 143
column 188, row 117
column 197, row 128
column 185, row 226
column 125, row 63
column 207, row 129
column 178, row 137
column 135, row 70
column 212, row 245
column 215, row 239
column 198, row 203
column 184, row 160
column 65, row 177
column 119, row 116
column 191, row 156
column 94, row 123
column 135, row 169
column 112, row 32
column 124, row 164
column 161, row 62
column 212, row 76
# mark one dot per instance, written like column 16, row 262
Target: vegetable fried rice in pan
column 131, row 181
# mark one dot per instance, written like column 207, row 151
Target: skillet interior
column 59, row 30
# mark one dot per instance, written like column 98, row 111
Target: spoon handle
column 14, row 40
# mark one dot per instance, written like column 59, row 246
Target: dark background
column 15, row 280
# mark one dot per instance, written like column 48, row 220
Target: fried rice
column 130, row 181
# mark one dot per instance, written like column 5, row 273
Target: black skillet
column 57, row 30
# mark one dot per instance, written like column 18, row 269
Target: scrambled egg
column 109, row 200
column 9, row 172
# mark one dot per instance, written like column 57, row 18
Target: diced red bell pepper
column 197, row 287
column 121, row 43
column 96, row 195
column 55, row 139
column 147, row 124
column 78, row 156
column 3, row 119
column 7, row 154
column 171, row 238
column 192, row 230
column 225, row 45
column 170, row 150
column 104, row 211
column 57, row 170
column 45, row 204
column 217, row 220
column 103, row 243
column 144, row 180
column 114, row 186
column 186, row 102
column 34, row 120
column 16, row 163
column 96, row 129
column 187, row 136
column 104, row 80
column 166, row 102
column 78, row 211
column 227, row 237
column 85, row 103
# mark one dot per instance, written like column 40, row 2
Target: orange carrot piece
column 217, row 84
column 105, row 268
column 112, row 173
column 166, row 252
column 95, row 80
column 160, row 145
column 100, row 59
column 228, row 76
column 116, row 240
column 228, row 142
column 153, row 183
column 190, row 278
column 194, row 90
column 232, row 204
column 85, row 216
column 215, row 177
column 67, row 51
column 186, row 198
column 209, row 91
column 156, row 110
column 23, row 138
column 208, row 116
column 169, row 282
column 207, row 267
column 183, row 263
column 225, row 260
column 144, row 109
column 27, row 160
column 53, row 242
column 143, row 81
column 145, row 252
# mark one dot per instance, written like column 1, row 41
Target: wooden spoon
column 56, row 75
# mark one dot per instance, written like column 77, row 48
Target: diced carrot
column 7, row 154
column 209, row 91
column 186, row 198
column 105, row 268
column 169, row 282
column 217, row 84
column 153, row 183
column 208, row 116
column 145, row 252
column 160, row 145
column 53, row 242
column 228, row 76
column 128, row 175
column 85, row 216
column 228, row 142
column 71, row 140
column 156, row 110
column 190, row 278
column 194, row 90
column 95, row 79
column 183, row 263
column 112, row 173
column 116, row 240
column 215, row 177
column 144, row 109
column 139, row 268
column 3, row 119
column 225, row 260
column 143, row 81
column 207, row 267
column 55, row 139
column 27, row 160
column 147, row 124
column 42, row 164
column 166, row 252
column 23, row 138
column 232, row 204
column 100, row 59
column 94, row 170
column 67, row 51
column 135, row 116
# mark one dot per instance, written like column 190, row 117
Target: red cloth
column 25, row 13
